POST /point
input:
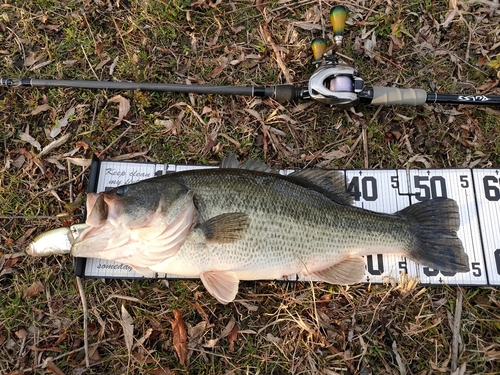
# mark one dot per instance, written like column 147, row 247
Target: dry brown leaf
column 129, row 156
column 177, row 122
column 102, row 63
column 57, row 163
column 460, row 370
column 21, row 334
column 94, row 353
column 484, row 88
column 9, row 263
column 33, row 58
column 233, row 336
column 98, row 49
column 228, row 328
column 335, row 154
column 202, row 312
column 254, row 113
column 113, row 65
column 128, row 329
column 25, row 237
column 168, row 124
column 123, row 107
column 40, row 65
column 19, row 161
column 143, row 339
column 80, row 161
column 451, row 15
column 54, row 144
column 52, row 367
column 33, row 290
column 420, row 158
column 307, row 26
column 260, row 5
column 217, row 71
column 28, row 138
column 41, row 108
column 196, row 333
column 179, row 336
column 161, row 371
column 62, row 123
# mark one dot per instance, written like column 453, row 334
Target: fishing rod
column 333, row 83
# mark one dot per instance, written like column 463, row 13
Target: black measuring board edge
column 95, row 169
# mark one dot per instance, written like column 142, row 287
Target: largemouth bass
column 244, row 222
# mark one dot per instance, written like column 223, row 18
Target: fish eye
column 121, row 190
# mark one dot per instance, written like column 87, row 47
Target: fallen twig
column 85, row 315
column 282, row 66
column 456, row 330
column 41, row 365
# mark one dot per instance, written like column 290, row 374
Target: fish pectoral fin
column 223, row 285
column 225, row 228
column 349, row 271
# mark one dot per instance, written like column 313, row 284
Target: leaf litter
column 123, row 108
column 274, row 327
column 180, row 338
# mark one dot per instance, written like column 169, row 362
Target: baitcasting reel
column 333, row 82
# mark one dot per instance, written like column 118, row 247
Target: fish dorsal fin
column 231, row 161
column 255, row 165
column 225, row 228
column 349, row 271
column 331, row 182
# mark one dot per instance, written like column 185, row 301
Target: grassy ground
column 274, row 328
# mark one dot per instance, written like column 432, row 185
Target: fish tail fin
column 435, row 223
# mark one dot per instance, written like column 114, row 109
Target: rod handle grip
column 395, row 96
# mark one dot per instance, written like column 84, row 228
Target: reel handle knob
column 338, row 16
column 318, row 46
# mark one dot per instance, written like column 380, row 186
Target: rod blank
column 281, row 93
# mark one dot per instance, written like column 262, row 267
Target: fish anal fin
column 223, row 285
column 349, row 271
column 225, row 228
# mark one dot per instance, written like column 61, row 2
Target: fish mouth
column 97, row 217
column 31, row 250
column 114, row 239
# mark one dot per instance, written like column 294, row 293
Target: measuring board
column 477, row 192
